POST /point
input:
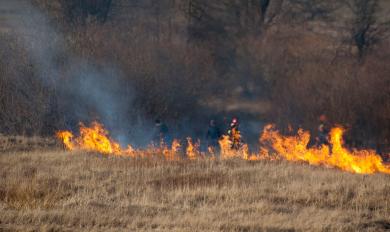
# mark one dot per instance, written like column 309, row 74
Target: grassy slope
column 62, row 191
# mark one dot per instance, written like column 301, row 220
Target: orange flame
column 225, row 145
column 192, row 150
column 93, row 138
column 274, row 146
column 227, row 152
column 294, row 148
column 66, row 137
column 172, row 154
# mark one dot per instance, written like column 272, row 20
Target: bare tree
column 308, row 10
column 364, row 26
column 264, row 4
column 78, row 11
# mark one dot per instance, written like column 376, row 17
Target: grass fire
column 292, row 148
column 194, row 115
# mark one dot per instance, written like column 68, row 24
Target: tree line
column 302, row 57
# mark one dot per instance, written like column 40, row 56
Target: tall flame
column 192, row 150
column 295, row 148
column 172, row 154
column 66, row 137
column 274, row 146
column 93, row 138
column 228, row 152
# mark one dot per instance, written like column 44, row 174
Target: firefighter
column 234, row 134
column 323, row 132
column 160, row 132
column 213, row 135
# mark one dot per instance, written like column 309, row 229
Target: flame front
column 274, row 146
column 172, row 154
column 295, row 148
column 93, row 138
column 192, row 150
column 66, row 137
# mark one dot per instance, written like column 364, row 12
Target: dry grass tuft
column 24, row 143
column 60, row 191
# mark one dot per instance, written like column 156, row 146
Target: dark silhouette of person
column 160, row 132
column 213, row 135
column 323, row 132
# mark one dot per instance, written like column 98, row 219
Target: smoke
column 92, row 92
column 87, row 90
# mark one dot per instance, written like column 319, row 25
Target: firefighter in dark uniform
column 234, row 134
column 323, row 132
column 213, row 135
column 160, row 132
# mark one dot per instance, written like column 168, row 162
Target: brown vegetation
column 299, row 58
column 23, row 143
column 284, row 62
column 61, row 191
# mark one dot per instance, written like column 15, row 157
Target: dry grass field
column 62, row 191
column 25, row 143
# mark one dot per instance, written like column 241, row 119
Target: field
column 62, row 191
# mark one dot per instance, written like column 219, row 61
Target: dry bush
column 23, row 98
column 301, row 59
column 307, row 78
column 74, row 191
column 23, row 143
